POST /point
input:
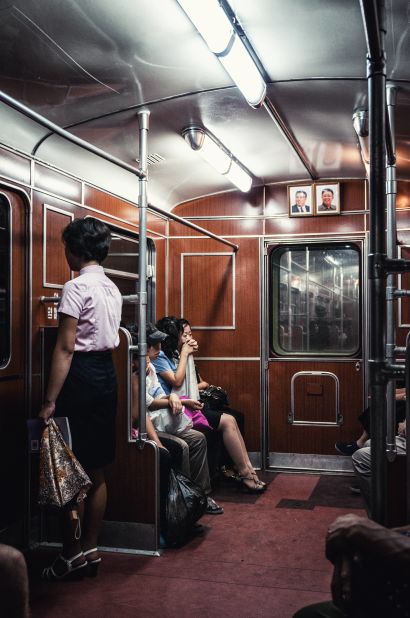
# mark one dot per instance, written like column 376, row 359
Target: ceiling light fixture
column 218, row 156
column 216, row 29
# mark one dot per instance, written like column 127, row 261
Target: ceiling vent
column 153, row 159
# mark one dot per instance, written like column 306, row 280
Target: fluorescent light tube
column 239, row 177
column 244, row 73
column 211, row 22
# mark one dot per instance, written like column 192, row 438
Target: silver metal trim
column 228, row 358
column 46, row 207
column 202, row 254
column 291, row 418
column 10, row 281
column 264, row 353
column 310, row 463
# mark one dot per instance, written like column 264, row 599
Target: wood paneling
column 352, row 197
column 228, row 227
column 14, row 166
column 131, row 478
column 287, row 438
column 110, row 204
column 215, row 274
column 49, row 180
column 241, row 380
column 57, row 271
column 337, row 224
column 244, row 340
column 228, row 204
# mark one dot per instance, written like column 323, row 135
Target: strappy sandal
column 70, row 572
column 256, row 489
column 257, row 480
column 229, row 475
column 92, row 565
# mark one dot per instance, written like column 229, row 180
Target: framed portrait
column 327, row 198
column 300, row 201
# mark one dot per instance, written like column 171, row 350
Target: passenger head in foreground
column 14, row 592
column 371, row 571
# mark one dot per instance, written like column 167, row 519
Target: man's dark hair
column 88, row 238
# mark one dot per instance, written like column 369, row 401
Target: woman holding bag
column 176, row 372
column 83, row 386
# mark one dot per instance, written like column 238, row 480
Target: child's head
column 87, row 239
column 154, row 338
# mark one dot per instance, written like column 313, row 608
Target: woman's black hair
column 170, row 325
column 182, row 322
column 87, row 238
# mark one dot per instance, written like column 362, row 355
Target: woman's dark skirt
column 89, row 400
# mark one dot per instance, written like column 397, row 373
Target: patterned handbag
column 62, row 478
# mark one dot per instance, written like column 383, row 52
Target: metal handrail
column 127, row 299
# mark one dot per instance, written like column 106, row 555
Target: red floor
column 255, row 560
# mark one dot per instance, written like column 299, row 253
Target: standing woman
column 83, row 385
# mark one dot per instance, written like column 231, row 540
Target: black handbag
column 214, row 397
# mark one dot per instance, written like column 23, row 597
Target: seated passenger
column 348, row 448
column 165, row 416
column 361, row 461
column 176, row 371
column 14, row 592
column 371, row 571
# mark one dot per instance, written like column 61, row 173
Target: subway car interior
column 258, row 152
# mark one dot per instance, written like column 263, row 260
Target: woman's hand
column 194, row 404
column 189, row 348
column 47, row 410
column 175, row 404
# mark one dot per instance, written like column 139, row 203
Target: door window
column 315, row 300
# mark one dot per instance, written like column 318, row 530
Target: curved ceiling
column 89, row 66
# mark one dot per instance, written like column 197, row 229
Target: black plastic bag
column 186, row 503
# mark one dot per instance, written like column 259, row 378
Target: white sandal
column 70, row 570
column 92, row 565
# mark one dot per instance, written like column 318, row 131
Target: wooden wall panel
column 49, row 180
column 241, row 380
column 208, row 289
column 352, row 197
column 110, row 204
column 57, row 271
column 14, row 166
column 223, row 227
column 229, row 204
column 335, row 224
column 244, row 340
column 307, row 439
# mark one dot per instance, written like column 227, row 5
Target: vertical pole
column 391, row 191
column 143, row 119
column 376, row 72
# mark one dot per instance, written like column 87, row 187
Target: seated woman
column 176, row 372
column 167, row 425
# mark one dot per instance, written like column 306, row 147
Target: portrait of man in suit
column 300, row 201
column 300, row 206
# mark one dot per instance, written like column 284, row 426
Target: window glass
column 5, row 281
column 315, row 300
column 121, row 266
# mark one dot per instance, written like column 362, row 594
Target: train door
column 314, row 370
column 14, row 366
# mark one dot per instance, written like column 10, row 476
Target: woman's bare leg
column 236, row 448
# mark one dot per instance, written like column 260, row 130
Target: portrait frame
column 307, row 204
column 333, row 187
